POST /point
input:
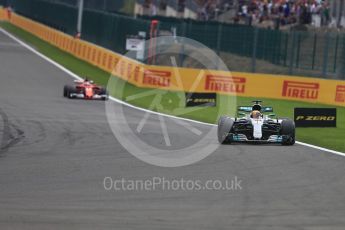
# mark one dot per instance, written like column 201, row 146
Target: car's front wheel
column 65, row 90
column 68, row 90
column 224, row 128
column 104, row 91
column 288, row 132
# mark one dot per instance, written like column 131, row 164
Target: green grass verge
column 173, row 102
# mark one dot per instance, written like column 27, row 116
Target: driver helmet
column 255, row 114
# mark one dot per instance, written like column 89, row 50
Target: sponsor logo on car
column 340, row 93
column 218, row 83
column 157, row 78
column 304, row 90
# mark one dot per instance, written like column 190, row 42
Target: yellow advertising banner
column 314, row 90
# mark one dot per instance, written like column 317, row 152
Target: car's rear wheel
column 224, row 128
column 288, row 132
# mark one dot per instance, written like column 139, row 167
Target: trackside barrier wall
column 313, row 90
column 2, row 14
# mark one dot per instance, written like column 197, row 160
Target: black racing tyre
column 65, row 90
column 288, row 132
column 224, row 127
column 70, row 89
column 104, row 91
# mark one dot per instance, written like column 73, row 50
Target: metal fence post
column 298, row 50
column 190, row 26
column 182, row 50
column 104, row 5
column 277, row 52
column 292, row 54
column 336, row 53
column 255, row 45
column 286, row 45
column 325, row 56
column 80, row 16
column 341, row 71
column 314, row 52
column 205, row 31
column 219, row 41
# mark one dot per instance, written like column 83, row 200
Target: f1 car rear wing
column 248, row 109
column 83, row 81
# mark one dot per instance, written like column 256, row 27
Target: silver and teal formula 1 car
column 256, row 124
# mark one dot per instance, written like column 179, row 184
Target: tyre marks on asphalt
column 10, row 134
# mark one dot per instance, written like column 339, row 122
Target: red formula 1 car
column 85, row 89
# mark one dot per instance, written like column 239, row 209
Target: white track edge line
column 321, row 148
column 135, row 107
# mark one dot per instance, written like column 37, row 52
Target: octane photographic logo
column 153, row 137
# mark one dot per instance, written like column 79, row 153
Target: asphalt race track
column 55, row 153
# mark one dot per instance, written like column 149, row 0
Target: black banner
column 201, row 99
column 315, row 117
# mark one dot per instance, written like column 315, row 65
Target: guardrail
column 313, row 90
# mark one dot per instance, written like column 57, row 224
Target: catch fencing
column 242, row 48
